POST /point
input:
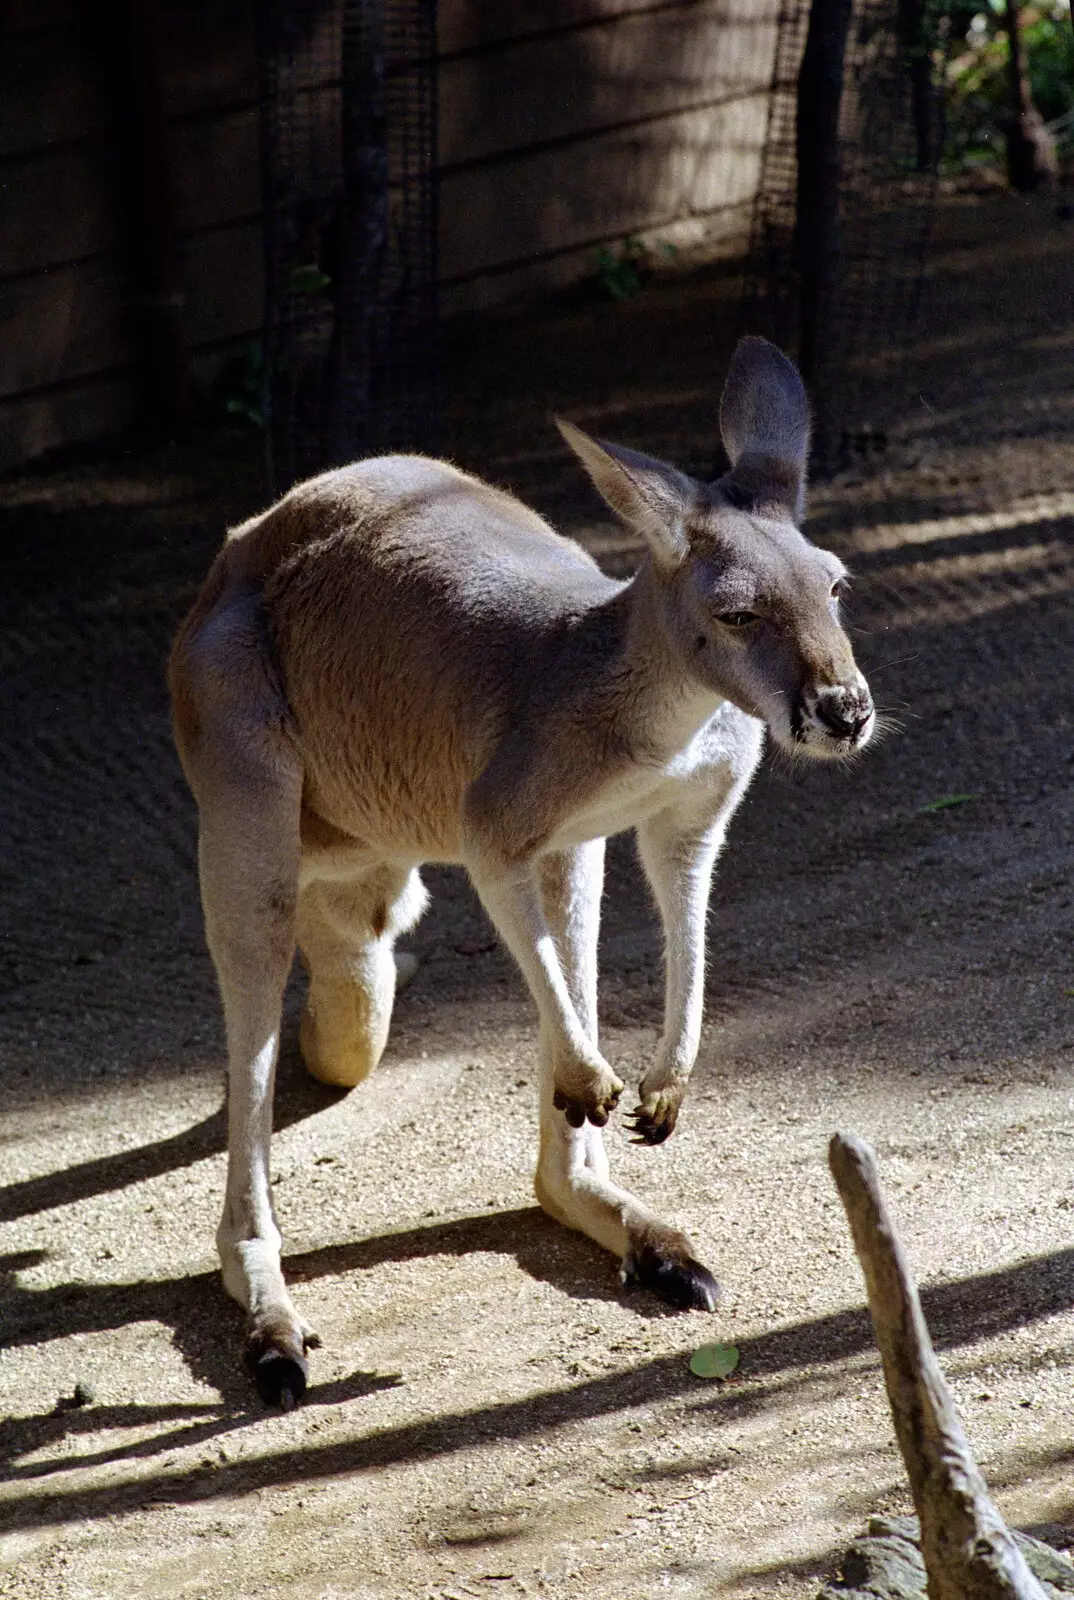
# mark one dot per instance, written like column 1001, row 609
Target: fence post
column 820, row 90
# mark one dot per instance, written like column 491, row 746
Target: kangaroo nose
column 845, row 712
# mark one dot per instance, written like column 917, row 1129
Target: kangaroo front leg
column 572, row 1180
column 678, row 861
column 584, row 1085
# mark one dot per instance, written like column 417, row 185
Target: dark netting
column 841, row 290
column 770, row 300
column 349, row 142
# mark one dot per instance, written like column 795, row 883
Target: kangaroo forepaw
column 670, row 1271
column 596, row 1104
column 276, row 1359
column 653, row 1119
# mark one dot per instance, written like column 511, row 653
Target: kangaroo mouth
column 822, row 745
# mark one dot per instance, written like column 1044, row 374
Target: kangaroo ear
column 649, row 495
column 764, row 421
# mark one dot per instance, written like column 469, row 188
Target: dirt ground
column 490, row 1413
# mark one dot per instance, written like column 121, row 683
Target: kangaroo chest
column 723, row 750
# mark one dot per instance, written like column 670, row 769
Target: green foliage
column 242, row 385
column 308, row 279
column 978, row 85
column 623, row 269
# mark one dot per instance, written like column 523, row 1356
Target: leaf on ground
column 947, row 800
column 714, row 1361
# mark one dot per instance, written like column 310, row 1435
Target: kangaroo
column 399, row 664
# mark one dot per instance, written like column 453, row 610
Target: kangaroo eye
column 838, row 587
column 738, row 619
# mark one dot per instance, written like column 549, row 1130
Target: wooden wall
column 565, row 124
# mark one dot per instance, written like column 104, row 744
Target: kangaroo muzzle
column 836, row 719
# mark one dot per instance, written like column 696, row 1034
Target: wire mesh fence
column 349, row 150
column 851, row 332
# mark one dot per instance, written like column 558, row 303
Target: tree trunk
column 968, row 1550
column 1031, row 158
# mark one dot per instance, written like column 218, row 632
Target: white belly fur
column 724, row 749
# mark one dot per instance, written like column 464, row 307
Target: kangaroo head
column 750, row 606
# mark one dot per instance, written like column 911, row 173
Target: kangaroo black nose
column 845, row 716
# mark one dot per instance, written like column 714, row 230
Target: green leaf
column 946, row 800
column 308, row 279
column 714, row 1361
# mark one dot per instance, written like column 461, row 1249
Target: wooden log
column 969, row 1552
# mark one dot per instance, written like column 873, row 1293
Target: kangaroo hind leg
column 347, row 928
column 248, row 783
column 572, row 1180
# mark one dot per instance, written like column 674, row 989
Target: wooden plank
column 216, row 168
column 209, row 50
column 224, row 275
column 59, row 205
column 31, row 16
column 573, row 83
column 722, row 234
column 53, row 89
column 620, row 183
column 63, row 205
column 31, row 424
column 87, row 409
column 484, row 24
column 64, row 324
column 49, row 93
column 79, row 320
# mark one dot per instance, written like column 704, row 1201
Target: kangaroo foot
column 276, row 1358
column 663, row 1262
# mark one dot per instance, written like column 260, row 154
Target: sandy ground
column 490, row 1413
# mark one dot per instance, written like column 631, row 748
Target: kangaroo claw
column 653, row 1119
column 276, row 1360
column 673, row 1274
column 596, row 1106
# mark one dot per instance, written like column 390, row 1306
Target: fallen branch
column 969, row 1552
